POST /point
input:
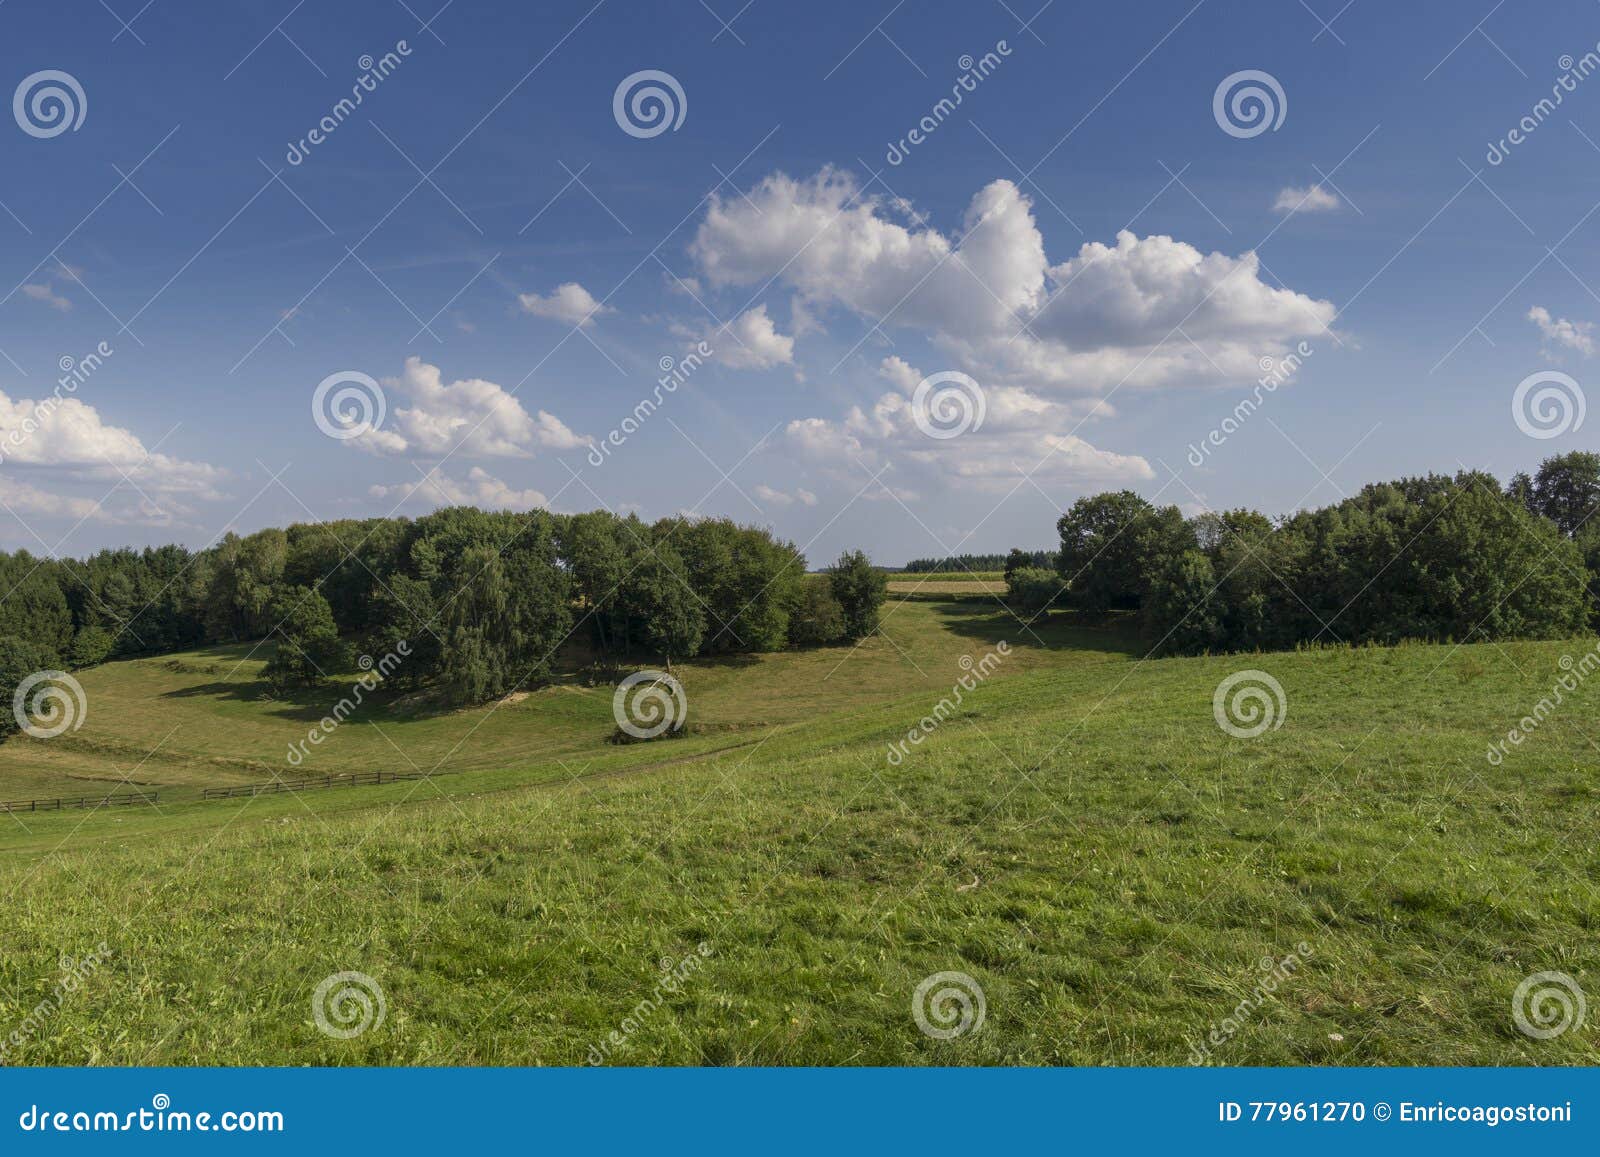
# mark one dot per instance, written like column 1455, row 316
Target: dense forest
column 1433, row 558
column 482, row 601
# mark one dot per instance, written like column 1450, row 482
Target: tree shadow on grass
column 1111, row 633
column 301, row 704
column 606, row 669
column 733, row 662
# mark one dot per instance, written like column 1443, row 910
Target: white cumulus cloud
column 568, row 302
column 478, row 488
column 69, row 435
column 752, row 342
column 43, row 292
column 1022, row 434
column 1144, row 311
column 471, row 416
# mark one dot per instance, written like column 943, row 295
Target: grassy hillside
column 1079, row 836
column 181, row 722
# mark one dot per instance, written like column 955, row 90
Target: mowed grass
column 1078, row 836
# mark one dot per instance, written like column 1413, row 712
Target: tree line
column 484, row 600
column 1442, row 558
column 961, row 562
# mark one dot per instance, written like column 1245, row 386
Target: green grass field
column 953, row 576
column 1079, row 837
column 989, row 590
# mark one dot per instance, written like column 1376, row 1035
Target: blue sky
column 170, row 224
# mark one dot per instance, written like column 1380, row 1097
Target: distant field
column 964, row 576
column 942, row 583
column 1078, row 836
column 943, row 587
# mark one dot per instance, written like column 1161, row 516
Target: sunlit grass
column 1079, row 836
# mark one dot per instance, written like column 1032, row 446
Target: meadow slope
column 1079, row 837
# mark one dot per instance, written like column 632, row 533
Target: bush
column 623, row 738
column 1019, row 558
column 1433, row 558
column 89, row 647
column 860, row 589
column 1111, row 545
column 601, row 673
column 1032, row 589
column 817, row 618
column 1180, row 611
column 309, row 646
column 19, row 658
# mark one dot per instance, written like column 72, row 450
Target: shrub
column 860, row 589
column 1180, row 611
column 1019, row 558
column 89, row 647
column 309, row 646
column 817, row 618
column 19, row 658
column 1432, row 558
column 1111, row 544
column 1032, row 589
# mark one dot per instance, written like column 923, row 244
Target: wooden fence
column 348, row 779
column 81, row 801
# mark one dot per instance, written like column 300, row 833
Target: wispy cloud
column 1311, row 199
column 1558, row 331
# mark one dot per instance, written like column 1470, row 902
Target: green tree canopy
column 860, row 589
